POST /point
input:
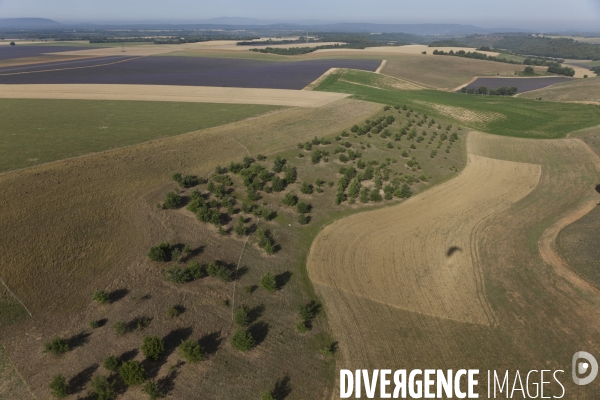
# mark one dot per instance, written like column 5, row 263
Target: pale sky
column 537, row 14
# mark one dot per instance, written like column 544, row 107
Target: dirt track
column 393, row 297
column 200, row 94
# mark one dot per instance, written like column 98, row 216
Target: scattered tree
column 191, row 351
column 132, row 373
column 160, row 253
column 101, row 297
column 56, row 346
column 58, row 387
column 172, row 200
column 111, row 363
column 242, row 340
column 268, row 282
column 290, row 199
column 103, row 389
column 152, row 390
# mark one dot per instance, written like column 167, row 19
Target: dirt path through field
column 466, row 273
column 194, row 94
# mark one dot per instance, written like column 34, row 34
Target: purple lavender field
column 186, row 71
column 522, row 84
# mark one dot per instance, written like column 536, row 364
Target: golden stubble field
column 395, row 296
column 192, row 94
column 98, row 214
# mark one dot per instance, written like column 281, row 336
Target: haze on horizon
column 531, row 14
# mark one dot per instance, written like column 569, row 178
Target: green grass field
column 519, row 117
column 39, row 131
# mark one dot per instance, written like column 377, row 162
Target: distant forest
column 537, row 46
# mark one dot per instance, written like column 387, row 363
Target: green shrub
column 120, row 328
column 101, row 297
column 132, row 373
column 303, row 207
column 94, row 324
column 160, row 253
column 267, row 395
column 153, row 347
column 290, row 199
column 111, row 363
column 103, row 389
column 218, row 270
column 375, row 196
column 268, row 282
column 191, row 351
column 152, row 390
column 240, row 316
column 58, row 387
column 242, row 340
column 306, row 188
column 265, row 241
column 56, row 346
column 301, row 327
column 172, row 200
column 240, row 227
column 177, row 275
column 303, row 219
column 174, row 312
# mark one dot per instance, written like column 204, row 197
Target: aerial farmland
column 235, row 210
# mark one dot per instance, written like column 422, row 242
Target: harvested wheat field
column 445, row 72
column 190, row 94
column 448, row 278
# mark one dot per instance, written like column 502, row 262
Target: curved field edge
column 54, row 134
column 399, row 255
column 537, row 309
column 517, row 117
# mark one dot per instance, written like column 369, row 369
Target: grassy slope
column 11, row 385
column 576, row 90
column 523, row 118
column 37, row 131
column 112, row 220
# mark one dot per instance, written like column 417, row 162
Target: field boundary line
column 70, row 68
column 13, row 295
column 381, row 66
column 236, row 271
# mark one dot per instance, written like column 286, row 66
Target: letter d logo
column 583, row 367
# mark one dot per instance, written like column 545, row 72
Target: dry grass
column 542, row 314
column 99, row 218
column 398, row 256
column 190, row 94
column 580, row 90
column 444, row 72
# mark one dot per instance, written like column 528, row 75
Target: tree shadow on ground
column 102, row 322
column 211, row 342
column 78, row 340
column 452, row 250
column 77, row 383
column 282, row 388
column 128, row 355
column 166, row 384
column 117, row 295
column 259, row 332
column 255, row 313
column 240, row 272
column 174, row 338
column 195, row 252
column 282, row 279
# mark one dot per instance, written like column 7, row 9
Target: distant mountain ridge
column 252, row 23
column 28, row 23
